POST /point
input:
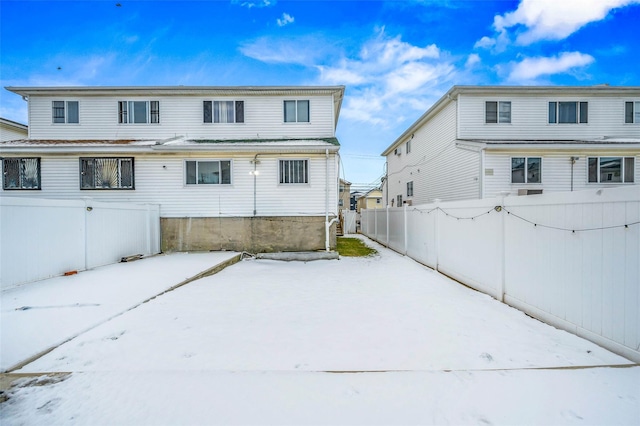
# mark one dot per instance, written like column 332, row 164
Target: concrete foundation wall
column 251, row 234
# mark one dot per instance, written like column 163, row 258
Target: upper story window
column 497, row 112
column 408, row 146
column 410, row 189
column 21, row 173
column 632, row 112
column 223, row 111
column 138, row 112
column 568, row 112
column 296, row 111
column 208, row 172
column 65, row 112
column 526, row 169
column 106, row 173
column 294, row 171
column 611, row 169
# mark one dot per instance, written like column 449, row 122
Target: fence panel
column 396, row 229
column 350, row 219
column 421, row 234
column 43, row 238
column 381, row 225
column 470, row 243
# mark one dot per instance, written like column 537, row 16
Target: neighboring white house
column 235, row 168
column 479, row 142
column 10, row 130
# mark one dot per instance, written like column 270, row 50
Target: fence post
column 387, row 239
column 436, row 226
column 406, row 231
column 503, row 251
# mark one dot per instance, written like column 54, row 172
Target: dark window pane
column 505, row 112
column 87, row 174
column 208, row 172
column 533, row 170
column 289, row 111
column 225, row 171
column 567, row 112
column 155, row 111
column 207, row 109
column 517, row 170
column 593, row 169
column 122, row 112
column 610, row 169
column 239, row 111
column 552, row 112
column 72, row 112
column 303, row 111
column 58, row 111
column 11, row 173
column 126, row 173
column 628, row 112
column 629, row 163
column 139, row 111
column 491, row 112
column 584, row 112
column 191, row 172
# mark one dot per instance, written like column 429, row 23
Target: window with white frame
column 399, row 198
column 497, row 112
column 632, row 112
column 106, row 173
column 408, row 146
column 568, row 112
column 526, row 169
column 65, row 112
column 21, row 173
column 293, row 171
column 223, row 111
column 208, row 172
column 410, row 189
column 611, row 169
column 296, row 111
column 138, row 112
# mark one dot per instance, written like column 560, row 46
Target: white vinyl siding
column 159, row 179
column 436, row 166
column 182, row 115
column 530, row 116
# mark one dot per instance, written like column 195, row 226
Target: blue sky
column 396, row 58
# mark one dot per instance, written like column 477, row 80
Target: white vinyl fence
column 350, row 221
column 42, row 238
column 569, row 259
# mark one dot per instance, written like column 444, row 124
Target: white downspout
column 327, row 223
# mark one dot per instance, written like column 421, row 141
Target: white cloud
column 305, row 50
column 257, row 4
column 532, row 68
column 285, row 20
column 472, row 60
column 485, row 43
column 536, row 20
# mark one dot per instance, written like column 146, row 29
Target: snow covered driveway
column 258, row 342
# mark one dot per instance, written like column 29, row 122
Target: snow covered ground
column 379, row 340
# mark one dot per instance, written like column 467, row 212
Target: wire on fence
column 535, row 224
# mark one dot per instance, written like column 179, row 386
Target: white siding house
column 478, row 142
column 236, row 168
column 10, row 130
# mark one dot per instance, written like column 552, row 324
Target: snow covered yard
column 380, row 340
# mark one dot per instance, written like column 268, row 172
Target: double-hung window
column 408, row 146
column 296, row 111
column 568, row 112
column 65, row 112
column 223, row 111
column 293, row 171
column 611, row 169
column 208, row 172
column 632, row 112
column 410, row 189
column 106, row 173
column 21, row 173
column 138, row 112
column 497, row 112
column 526, row 169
